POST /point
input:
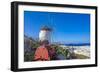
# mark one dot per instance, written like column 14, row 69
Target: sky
column 67, row 27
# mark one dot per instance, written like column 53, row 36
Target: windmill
column 46, row 30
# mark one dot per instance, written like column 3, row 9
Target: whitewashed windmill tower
column 45, row 34
column 46, row 30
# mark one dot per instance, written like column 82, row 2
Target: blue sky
column 67, row 27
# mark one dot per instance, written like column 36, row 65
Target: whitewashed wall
column 44, row 35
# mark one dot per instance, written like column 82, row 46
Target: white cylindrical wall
column 45, row 35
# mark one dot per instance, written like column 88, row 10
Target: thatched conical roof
column 46, row 28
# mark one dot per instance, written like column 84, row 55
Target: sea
column 78, row 44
